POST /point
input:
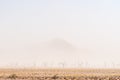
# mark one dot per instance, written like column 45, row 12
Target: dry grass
column 59, row 74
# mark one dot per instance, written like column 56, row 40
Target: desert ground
column 59, row 74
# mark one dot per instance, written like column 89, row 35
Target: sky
column 92, row 25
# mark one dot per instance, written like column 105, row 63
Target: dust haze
column 64, row 33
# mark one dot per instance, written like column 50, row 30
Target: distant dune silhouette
column 61, row 45
column 56, row 46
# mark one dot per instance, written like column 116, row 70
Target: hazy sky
column 89, row 24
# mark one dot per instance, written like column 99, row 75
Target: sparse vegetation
column 12, row 76
column 55, row 77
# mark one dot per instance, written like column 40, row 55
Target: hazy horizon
column 91, row 26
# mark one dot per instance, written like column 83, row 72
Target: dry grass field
column 59, row 74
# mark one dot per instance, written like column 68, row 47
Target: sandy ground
column 59, row 74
